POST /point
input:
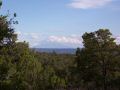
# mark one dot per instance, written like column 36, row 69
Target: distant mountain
column 56, row 50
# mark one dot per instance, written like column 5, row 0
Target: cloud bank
column 34, row 39
column 117, row 39
column 38, row 40
column 73, row 39
column 87, row 4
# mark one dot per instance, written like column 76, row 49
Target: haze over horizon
column 61, row 23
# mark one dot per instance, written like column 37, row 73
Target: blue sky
column 60, row 23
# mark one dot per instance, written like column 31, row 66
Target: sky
column 61, row 23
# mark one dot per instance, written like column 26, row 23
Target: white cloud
column 66, row 39
column 86, row 4
column 18, row 32
column 117, row 39
column 34, row 39
column 35, row 35
column 39, row 40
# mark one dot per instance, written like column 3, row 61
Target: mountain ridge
column 56, row 50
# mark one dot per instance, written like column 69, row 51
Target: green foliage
column 19, row 68
column 55, row 71
column 98, row 62
column 7, row 35
column 0, row 3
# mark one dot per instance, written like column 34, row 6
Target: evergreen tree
column 98, row 59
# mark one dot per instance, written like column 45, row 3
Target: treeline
column 96, row 66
